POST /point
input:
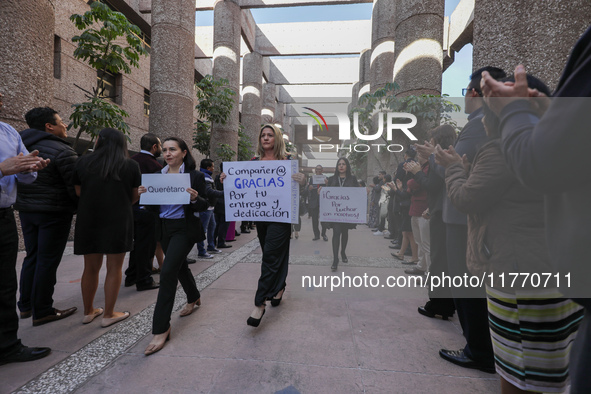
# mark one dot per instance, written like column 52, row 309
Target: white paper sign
column 343, row 205
column 318, row 179
column 166, row 189
column 261, row 191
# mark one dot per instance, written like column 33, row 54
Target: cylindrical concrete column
column 383, row 30
column 419, row 50
column 538, row 34
column 269, row 100
column 26, row 60
column 354, row 96
column 226, row 64
column 279, row 113
column 364, row 72
column 172, row 68
column 252, row 100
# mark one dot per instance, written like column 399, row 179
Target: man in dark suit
column 139, row 271
column 46, row 208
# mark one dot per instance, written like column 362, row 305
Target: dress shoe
column 191, row 261
column 315, row 238
column 388, row 237
column 276, row 301
column 129, row 283
column 236, row 233
column 205, row 256
column 56, row 315
column 458, row 357
column 224, row 246
column 24, row 353
column 397, row 257
column 335, row 265
column 188, row 309
column 158, row 342
column 148, row 286
column 325, row 238
column 109, row 321
column 245, row 231
column 89, row 318
column 414, row 271
column 26, row 314
column 214, row 251
column 251, row 321
column 410, row 262
column 394, row 246
column 423, row 310
column 344, row 258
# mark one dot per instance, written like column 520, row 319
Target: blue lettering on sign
column 241, row 183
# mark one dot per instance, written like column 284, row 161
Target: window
column 57, row 57
column 110, row 87
column 146, row 102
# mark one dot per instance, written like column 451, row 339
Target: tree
column 215, row 105
column 100, row 45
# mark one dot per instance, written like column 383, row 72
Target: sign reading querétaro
column 343, row 204
column 165, row 189
column 261, row 191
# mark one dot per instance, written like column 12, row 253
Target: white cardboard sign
column 261, row 191
column 343, row 205
column 166, row 189
column 318, row 180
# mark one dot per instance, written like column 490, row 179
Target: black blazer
column 195, row 231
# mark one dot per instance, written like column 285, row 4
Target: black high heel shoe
column 429, row 313
column 344, row 257
column 255, row 322
column 277, row 301
column 335, row 265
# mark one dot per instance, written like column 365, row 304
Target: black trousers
column 472, row 312
column 441, row 297
column 144, row 247
column 340, row 236
column 176, row 246
column 45, row 235
column 8, row 283
column 274, row 240
column 221, row 229
column 315, row 214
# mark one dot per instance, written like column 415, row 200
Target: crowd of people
column 498, row 198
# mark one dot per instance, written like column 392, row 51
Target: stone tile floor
column 349, row 340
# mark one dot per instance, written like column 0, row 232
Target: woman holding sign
column 178, row 230
column 340, row 231
column 273, row 236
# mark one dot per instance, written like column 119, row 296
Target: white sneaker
column 378, row 233
column 386, row 233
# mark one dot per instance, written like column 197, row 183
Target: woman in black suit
column 178, row 230
column 340, row 231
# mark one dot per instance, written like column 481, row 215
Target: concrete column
column 538, row 34
column 252, row 100
column 26, row 60
column 364, row 72
column 269, row 100
column 354, row 96
column 226, row 64
column 279, row 113
column 419, row 50
column 383, row 30
column 172, row 74
column 381, row 67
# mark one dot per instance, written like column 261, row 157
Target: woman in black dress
column 273, row 236
column 340, row 231
column 107, row 182
column 178, row 230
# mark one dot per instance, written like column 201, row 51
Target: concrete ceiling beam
column 145, row 6
column 458, row 31
column 309, row 70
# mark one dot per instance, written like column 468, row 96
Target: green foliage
column 245, row 148
column 215, row 105
column 225, row 152
column 99, row 45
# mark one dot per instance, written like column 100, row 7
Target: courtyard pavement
column 349, row 340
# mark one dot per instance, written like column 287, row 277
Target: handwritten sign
column 165, row 189
column 318, row 179
column 261, row 191
column 343, row 204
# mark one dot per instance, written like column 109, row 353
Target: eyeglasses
column 466, row 90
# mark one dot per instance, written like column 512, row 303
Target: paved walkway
column 350, row 340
